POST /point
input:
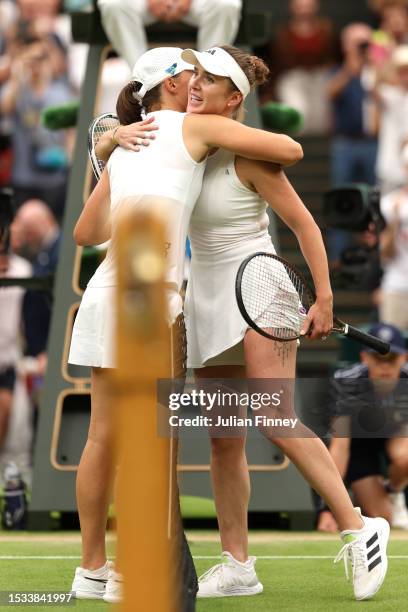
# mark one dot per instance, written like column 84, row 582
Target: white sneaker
column 230, row 578
column 90, row 584
column 399, row 511
column 114, row 588
column 366, row 549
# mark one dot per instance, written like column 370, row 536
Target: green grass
column 292, row 585
column 197, row 507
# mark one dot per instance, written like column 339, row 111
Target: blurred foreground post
column 144, row 548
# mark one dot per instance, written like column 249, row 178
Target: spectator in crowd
column 41, row 19
column 394, row 251
column 299, row 57
column 36, row 234
column 369, row 399
column 8, row 16
column 11, row 301
column 354, row 146
column 393, row 106
column 392, row 22
column 392, row 31
column 124, row 21
column 40, row 156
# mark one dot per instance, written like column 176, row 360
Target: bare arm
column 204, row 132
column 93, row 226
column 340, row 452
column 10, row 95
column 388, row 240
column 352, row 67
column 126, row 136
column 337, row 83
column 389, row 236
column 13, row 87
column 272, row 184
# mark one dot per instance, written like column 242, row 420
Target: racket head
column 273, row 296
column 99, row 126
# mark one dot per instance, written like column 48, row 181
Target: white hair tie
column 137, row 96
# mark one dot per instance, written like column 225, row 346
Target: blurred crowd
column 34, row 161
column 350, row 85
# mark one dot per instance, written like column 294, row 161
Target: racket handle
column 367, row 339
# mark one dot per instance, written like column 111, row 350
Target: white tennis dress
column 169, row 174
column 229, row 223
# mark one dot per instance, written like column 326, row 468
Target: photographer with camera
column 40, row 158
column 354, row 145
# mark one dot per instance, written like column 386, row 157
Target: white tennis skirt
column 92, row 342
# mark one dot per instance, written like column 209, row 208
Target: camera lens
column 343, row 207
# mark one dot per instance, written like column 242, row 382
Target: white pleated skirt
column 215, row 326
column 92, row 342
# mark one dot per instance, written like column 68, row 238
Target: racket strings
column 274, row 297
column 100, row 127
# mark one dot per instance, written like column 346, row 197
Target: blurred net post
column 146, row 553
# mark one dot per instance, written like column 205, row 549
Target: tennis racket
column 98, row 127
column 274, row 299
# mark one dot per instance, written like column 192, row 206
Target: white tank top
column 229, row 222
column 226, row 210
column 166, row 170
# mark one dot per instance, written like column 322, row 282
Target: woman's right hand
column 135, row 135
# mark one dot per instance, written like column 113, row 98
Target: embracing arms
column 93, row 226
column 130, row 136
column 204, row 132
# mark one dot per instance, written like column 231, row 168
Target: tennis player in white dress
column 229, row 223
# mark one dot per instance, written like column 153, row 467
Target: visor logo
column 172, row 69
column 211, row 51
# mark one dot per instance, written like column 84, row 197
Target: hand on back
column 135, row 135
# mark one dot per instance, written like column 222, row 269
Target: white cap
column 156, row 65
column 219, row 62
column 400, row 56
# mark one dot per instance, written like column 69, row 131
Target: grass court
column 296, row 569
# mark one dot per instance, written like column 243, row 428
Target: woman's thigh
column 102, row 423
column 267, row 358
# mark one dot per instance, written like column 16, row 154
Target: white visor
column 219, row 62
column 156, row 65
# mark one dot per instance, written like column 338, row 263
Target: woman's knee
column 101, row 436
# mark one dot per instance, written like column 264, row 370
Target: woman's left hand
column 319, row 320
column 135, row 135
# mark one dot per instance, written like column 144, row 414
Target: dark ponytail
column 129, row 109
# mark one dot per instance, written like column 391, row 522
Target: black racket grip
column 367, row 339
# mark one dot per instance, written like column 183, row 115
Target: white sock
column 100, row 571
column 248, row 563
